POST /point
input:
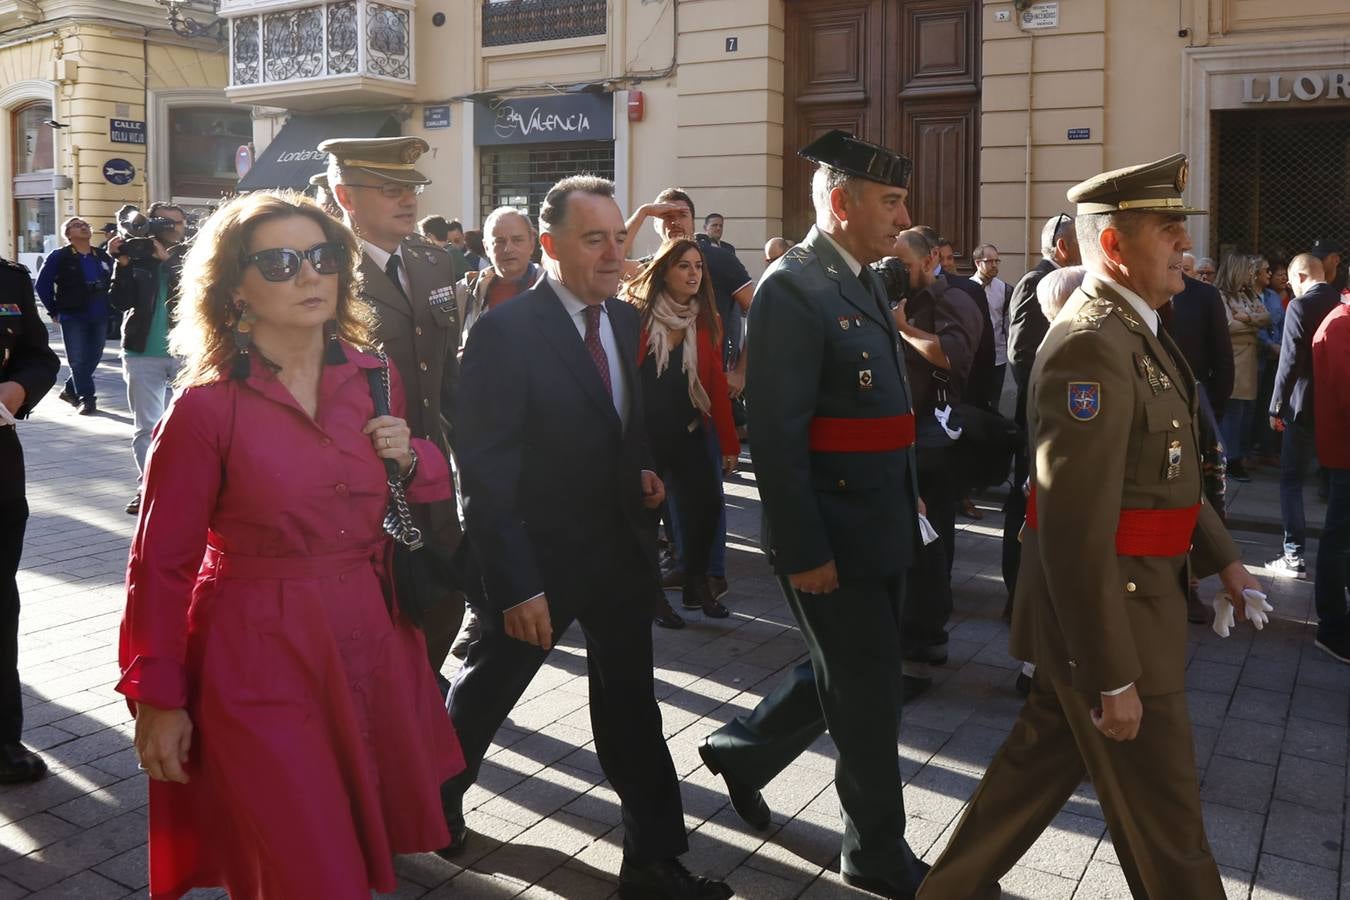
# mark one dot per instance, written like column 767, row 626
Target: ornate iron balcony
column 525, row 21
column 336, row 40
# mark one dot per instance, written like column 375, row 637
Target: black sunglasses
column 283, row 263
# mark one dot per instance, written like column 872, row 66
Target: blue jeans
column 1333, row 560
column 1297, row 452
column 717, row 559
column 84, row 340
column 1236, row 425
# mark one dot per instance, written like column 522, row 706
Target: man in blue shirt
column 73, row 286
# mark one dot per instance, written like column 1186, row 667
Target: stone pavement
column 1270, row 715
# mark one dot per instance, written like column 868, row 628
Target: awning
column 292, row 157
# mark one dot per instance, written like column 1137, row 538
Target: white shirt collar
column 570, row 301
column 1145, row 312
column 380, row 256
column 853, row 265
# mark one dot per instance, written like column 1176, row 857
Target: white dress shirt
column 996, row 291
column 577, row 311
column 381, row 258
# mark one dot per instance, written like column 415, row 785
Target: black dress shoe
column 914, row 687
column 666, row 617
column 748, row 802
column 452, row 805
column 18, row 764
column 883, row 888
column 666, row 879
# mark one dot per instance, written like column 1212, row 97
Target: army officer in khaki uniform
column 1101, row 595
column 411, row 286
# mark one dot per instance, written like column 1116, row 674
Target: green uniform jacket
column 1086, row 615
column 420, row 334
column 823, row 345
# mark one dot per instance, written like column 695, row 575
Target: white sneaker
column 1287, row 566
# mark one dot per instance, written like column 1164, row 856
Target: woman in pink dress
column 284, row 708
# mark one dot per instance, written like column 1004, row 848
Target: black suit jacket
column 980, row 382
column 1027, row 326
column 551, row 477
column 1199, row 326
column 1293, row 395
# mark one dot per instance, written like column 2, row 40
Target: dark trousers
column 851, row 685
column 694, row 488
column 13, row 518
column 84, row 340
column 1297, row 452
column 625, row 718
column 1014, row 514
column 928, row 603
column 1148, row 790
column 1333, row 560
column 717, row 557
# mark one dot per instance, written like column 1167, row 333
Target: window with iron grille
column 525, row 21
column 520, row 177
column 1282, row 180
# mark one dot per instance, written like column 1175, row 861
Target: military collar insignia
column 1129, row 319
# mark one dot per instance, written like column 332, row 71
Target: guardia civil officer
column 411, row 284
column 832, row 427
column 1101, row 594
column 28, row 368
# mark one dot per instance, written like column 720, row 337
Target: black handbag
column 420, row 579
column 983, row 454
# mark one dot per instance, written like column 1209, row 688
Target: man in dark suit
column 28, row 368
column 410, row 283
column 833, row 430
column 554, row 468
column 1291, row 402
column 1197, row 321
column 1027, row 326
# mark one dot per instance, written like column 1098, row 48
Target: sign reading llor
column 546, row 120
column 1303, row 86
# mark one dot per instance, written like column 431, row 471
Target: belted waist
column 1145, row 532
column 238, row 565
column 878, row 435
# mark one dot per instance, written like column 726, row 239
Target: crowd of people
column 367, row 441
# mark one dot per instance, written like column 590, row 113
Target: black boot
column 666, row 879
column 18, row 764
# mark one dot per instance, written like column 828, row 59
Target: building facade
column 100, row 105
column 1001, row 104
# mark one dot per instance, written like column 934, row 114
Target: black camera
column 894, row 276
column 139, row 231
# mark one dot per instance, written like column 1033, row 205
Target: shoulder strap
column 380, row 394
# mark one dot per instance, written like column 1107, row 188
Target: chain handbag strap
column 398, row 520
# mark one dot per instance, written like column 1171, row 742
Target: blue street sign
column 119, row 171
column 126, row 131
column 435, row 117
column 1080, row 134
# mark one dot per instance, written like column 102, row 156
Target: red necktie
column 597, row 349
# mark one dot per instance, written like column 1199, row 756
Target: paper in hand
column 927, row 531
column 6, row 417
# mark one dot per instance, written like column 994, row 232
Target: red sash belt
column 829, row 435
column 1145, row 532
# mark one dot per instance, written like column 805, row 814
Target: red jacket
column 714, row 381
column 1331, row 383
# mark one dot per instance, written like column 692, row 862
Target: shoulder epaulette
column 1093, row 312
column 9, row 263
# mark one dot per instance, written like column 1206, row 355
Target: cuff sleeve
column 1118, row 691
column 157, row 681
column 431, row 481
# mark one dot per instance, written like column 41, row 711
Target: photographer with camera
column 940, row 328
column 73, row 286
column 149, row 252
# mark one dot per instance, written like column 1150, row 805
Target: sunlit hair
column 214, row 266
column 1236, row 276
column 643, row 288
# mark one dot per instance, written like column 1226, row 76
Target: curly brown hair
column 642, row 288
column 214, row 265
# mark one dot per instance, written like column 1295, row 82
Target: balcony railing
column 525, row 21
column 326, row 40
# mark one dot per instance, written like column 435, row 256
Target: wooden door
column 904, row 73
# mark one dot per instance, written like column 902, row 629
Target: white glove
column 1256, row 608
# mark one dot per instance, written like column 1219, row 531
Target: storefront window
column 32, row 139
column 34, row 217
column 202, row 147
column 520, row 177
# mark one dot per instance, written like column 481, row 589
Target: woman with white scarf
column 684, row 391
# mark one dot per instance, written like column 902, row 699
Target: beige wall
column 1123, row 69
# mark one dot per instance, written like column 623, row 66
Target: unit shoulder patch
column 1085, row 400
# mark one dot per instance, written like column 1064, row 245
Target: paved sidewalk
column 1270, row 715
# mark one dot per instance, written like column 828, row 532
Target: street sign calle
column 1080, row 134
column 1041, row 15
column 436, row 117
column 126, row 131
column 118, row 171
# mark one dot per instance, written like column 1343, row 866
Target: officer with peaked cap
column 411, row 285
column 323, row 195
column 1116, row 504
column 833, row 430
